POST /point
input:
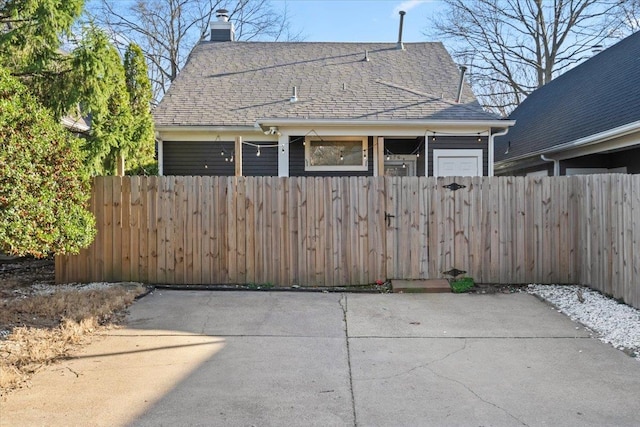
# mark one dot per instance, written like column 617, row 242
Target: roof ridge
column 237, row 42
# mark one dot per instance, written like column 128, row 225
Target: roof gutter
column 498, row 123
column 596, row 138
column 173, row 128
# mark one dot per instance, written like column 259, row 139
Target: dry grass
column 45, row 328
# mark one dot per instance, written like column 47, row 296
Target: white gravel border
column 613, row 323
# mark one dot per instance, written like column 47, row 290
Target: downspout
column 160, row 154
column 556, row 164
column 491, row 148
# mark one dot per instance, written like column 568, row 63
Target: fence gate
column 433, row 227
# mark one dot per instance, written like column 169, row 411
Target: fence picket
column 333, row 231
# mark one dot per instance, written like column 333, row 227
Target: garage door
column 457, row 162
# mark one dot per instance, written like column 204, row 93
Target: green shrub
column 464, row 284
column 43, row 186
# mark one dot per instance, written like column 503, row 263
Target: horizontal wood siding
column 334, row 231
column 196, row 158
column 628, row 158
column 266, row 164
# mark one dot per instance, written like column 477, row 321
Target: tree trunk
column 119, row 165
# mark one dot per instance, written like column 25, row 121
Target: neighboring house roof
column 76, row 124
column 238, row 83
column 601, row 94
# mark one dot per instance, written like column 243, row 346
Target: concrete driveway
column 302, row 359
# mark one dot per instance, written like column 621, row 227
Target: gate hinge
column 454, row 186
column 454, row 272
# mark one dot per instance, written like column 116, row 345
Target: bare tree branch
column 516, row 46
column 167, row 30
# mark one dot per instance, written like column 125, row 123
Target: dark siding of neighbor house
column 264, row 165
column 460, row 143
column 524, row 171
column 296, row 161
column 618, row 159
column 197, row 158
column 592, row 161
column 628, row 158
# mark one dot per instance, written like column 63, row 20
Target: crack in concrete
column 446, row 356
column 343, row 306
column 68, row 369
column 470, row 390
column 205, row 324
column 422, row 365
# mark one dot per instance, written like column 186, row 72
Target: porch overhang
column 406, row 127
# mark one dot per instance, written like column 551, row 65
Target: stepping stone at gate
column 420, row 286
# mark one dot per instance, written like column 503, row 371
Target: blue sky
column 359, row 20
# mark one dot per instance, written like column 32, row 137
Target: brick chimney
column 222, row 30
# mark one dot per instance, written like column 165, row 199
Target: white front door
column 457, row 163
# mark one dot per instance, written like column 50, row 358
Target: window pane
column 335, row 153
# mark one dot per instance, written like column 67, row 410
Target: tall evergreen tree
column 140, row 153
column 31, row 33
column 100, row 87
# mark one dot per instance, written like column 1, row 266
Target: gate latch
column 387, row 217
column 454, row 186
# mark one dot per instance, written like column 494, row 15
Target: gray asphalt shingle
column 236, row 83
column 600, row 94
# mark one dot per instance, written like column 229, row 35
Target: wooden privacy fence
column 349, row 231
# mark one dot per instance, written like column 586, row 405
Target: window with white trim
column 336, row 154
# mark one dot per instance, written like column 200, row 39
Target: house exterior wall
column 266, row 164
column 628, row 158
column 592, row 161
column 547, row 167
column 204, row 158
column 195, row 158
column 618, row 159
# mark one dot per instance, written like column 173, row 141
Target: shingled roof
column 600, row 94
column 237, row 83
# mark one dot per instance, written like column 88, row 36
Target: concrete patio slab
column 276, row 358
column 242, row 313
column 493, row 381
column 457, row 315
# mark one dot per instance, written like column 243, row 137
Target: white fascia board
column 558, row 152
column 392, row 125
column 208, row 133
